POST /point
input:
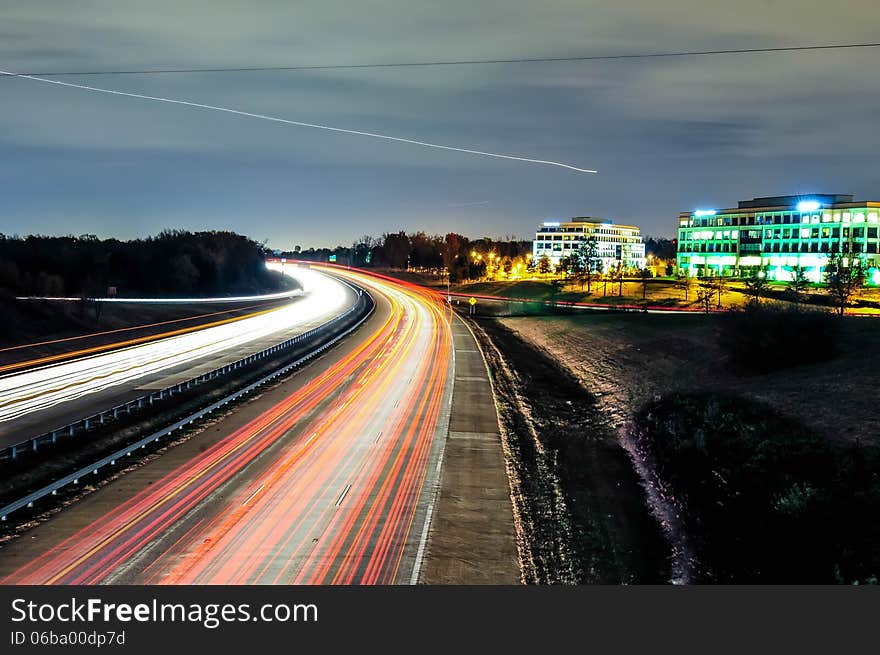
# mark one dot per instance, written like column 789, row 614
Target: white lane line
column 344, row 494
column 251, row 497
column 423, row 541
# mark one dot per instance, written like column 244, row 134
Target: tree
column 362, row 250
column 684, row 282
column 563, row 266
column 720, row 286
column 645, row 275
column 798, row 284
column 544, row 265
column 397, row 248
column 588, row 261
column 844, row 279
column 705, row 295
column 660, row 247
column 454, row 246
column 755, row 286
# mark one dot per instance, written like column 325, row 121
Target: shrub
column 764, row 498
column 762, row 338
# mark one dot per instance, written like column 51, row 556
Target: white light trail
column 316, row 126
column 168, row 301
column 40, row 388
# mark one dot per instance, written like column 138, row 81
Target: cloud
column 665, row 134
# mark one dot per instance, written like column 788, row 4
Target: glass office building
column 779, row 233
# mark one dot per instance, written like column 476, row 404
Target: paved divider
column 358, row 313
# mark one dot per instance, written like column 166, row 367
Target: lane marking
column 344, row 494
column 251, row 497
column 437, row 482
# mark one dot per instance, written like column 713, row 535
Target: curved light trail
column 46, row 386
column 281, row 295
column 130, row 328
column 91, row 350
column 339, row 486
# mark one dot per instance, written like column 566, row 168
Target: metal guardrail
column 365, row 302
column 70, row 430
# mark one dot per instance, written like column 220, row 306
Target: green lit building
column 778, row 234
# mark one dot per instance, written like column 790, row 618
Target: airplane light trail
column 316, row 126
column 327, row 503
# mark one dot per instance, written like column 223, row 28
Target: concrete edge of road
column 433, row 477
column 471, row 536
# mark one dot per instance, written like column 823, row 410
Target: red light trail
column 343, row 466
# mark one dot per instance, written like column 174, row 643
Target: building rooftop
column 802, row 202
column 591, row 220
column 789, row 201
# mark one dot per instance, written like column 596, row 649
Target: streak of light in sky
column 317, row 126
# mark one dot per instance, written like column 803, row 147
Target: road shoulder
column 471, row 538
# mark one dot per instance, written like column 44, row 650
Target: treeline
column 173, row 263
column 661, row 248
column 462, row 257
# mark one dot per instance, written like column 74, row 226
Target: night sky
column 666, row 135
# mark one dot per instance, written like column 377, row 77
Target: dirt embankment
column 581, row 510
column 627, row 360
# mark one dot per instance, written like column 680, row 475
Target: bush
column 764, row 499
column 763, row 338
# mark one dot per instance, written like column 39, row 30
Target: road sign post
column 472, row 301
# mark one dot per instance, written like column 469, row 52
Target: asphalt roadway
column 331, row 476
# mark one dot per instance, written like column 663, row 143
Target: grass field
column 657, row 292
column 629, row 359
column 771, row 477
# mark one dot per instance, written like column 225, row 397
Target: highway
column 44, row 397
column 331, row 482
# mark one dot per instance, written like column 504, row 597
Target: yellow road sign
column 472, row 301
